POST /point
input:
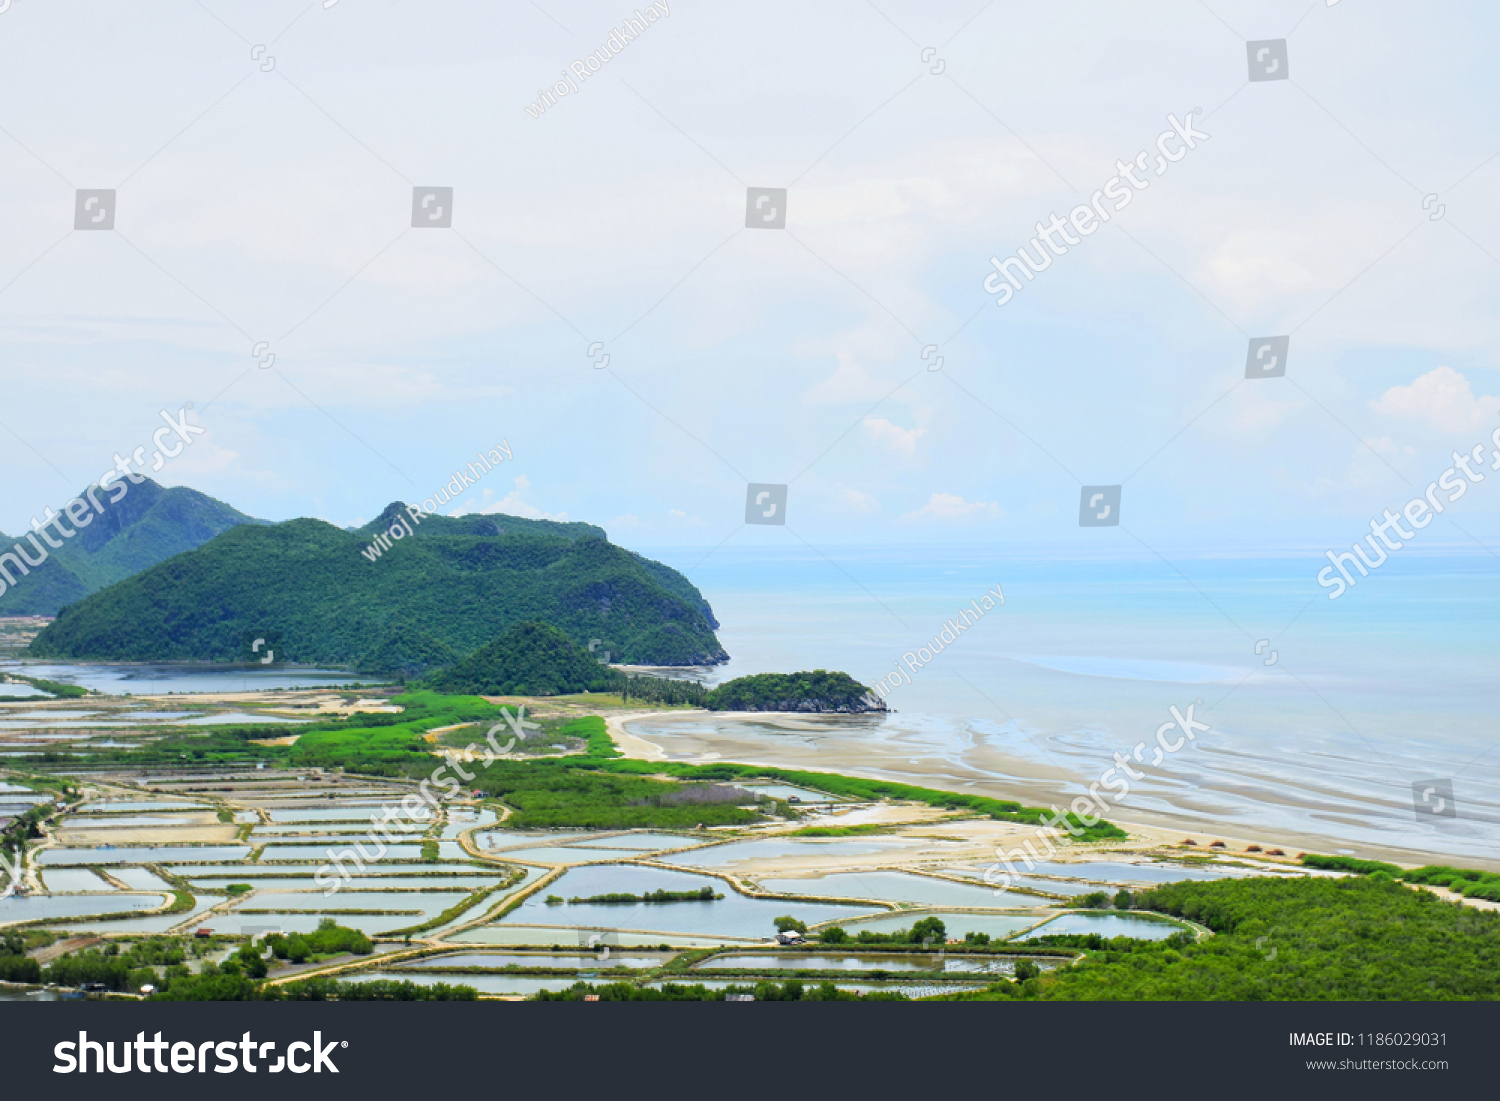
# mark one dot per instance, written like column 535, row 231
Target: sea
column 1370, row 720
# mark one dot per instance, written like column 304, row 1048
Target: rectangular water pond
column 485, row 984
column 1119, row 871
column 158, row 806
column 49, row 907
column 550, row 936
column 899, row 887
column 869, row 961
column 1107, row 925
column 428, row 904
column 997, row 926
column 159, row 924
column 74, row 879
column 740, row 852
column 644, row 842
column 309, row 882
column 354, row 812
column 319, row 853
column 165, row 854
column 562, row 854
column 138, row 879
column 578, row 961
column 734, row 915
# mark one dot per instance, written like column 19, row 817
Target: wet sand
column 842, row 744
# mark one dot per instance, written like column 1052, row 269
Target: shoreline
column 1032, row 784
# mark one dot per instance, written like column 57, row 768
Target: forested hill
column 816, row 690
column 530, row 659
column 425, row 601
column 147, row 525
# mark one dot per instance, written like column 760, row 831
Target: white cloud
column 950, row 506
column 903, row 441
column 849, row 382
column 858, row 500
column 1441, row 398
column 511, row 504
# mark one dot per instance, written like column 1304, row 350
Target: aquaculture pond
column 577, row 961
column 319, row 853
column 870, row 961
column 74, row 879
column 733, row 915
column 501, row 983
column 165, row 854
column 365, row 883
column 542, row 936
column 563, row 854
column 427, row 903
column 1108, row 925
column 159, row 924
column 61, row 907
column 645, row 842
column 957, row 924
column 898, row 887
column 740, row 852
column 1119, row 871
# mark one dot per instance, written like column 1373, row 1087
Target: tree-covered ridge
column 1309, row 939
column 817, row 690
column 146, row 525
column 425, row 601
column 530, row 659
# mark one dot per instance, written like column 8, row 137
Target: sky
column 264, row 156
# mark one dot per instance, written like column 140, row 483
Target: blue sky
column 274, row 204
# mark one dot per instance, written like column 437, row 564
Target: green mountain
column 530, row 659
column 321, row 595
column 147, row 525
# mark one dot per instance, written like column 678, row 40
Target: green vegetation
column 329, row 939
column 789, row 924
column 704, row 894
column 1464, row 881
column 126, row 970
column 862, row 790
column 14, row 966
column 840, row 831
column 455, row 586
column 530, row 659
column 808, row 691
column 147, row 525
column 1362, row 938
column 929, row 930
column 1348, row 864
column 56, row 689
column 221, row 987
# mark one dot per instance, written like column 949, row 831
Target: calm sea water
column 1325, row 726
